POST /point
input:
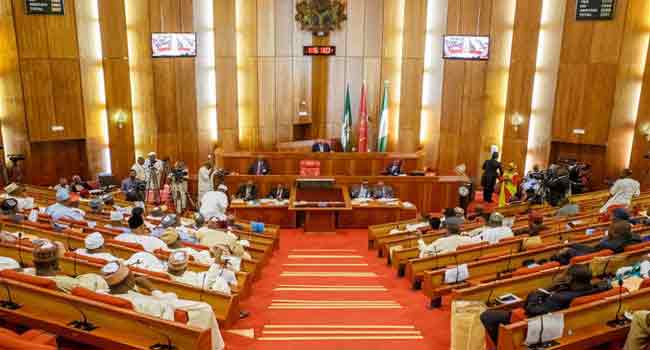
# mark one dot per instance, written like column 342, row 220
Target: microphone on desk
column 159, row 346
column 507, row 266
column 205, row 275
column 9, row 304
column 74, row 255
column 20, row 250
column 618, row 320
column 82, row 324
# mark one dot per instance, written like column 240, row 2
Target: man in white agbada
column 173, row 241
column 146, row 261
column 153, row 165
column 140, row 170
column 61, row 208
column 212, row 234
column 14, row 191
column 215, row 203
column 449, row 243
column 205, row 180
column 94, row 247
column 139, row 235
column 495, row 230
column 45, row 260
column 623, row 190
column 8, row 263
column 216, row 278
column 124, row 285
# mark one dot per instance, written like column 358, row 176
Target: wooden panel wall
column 587, row 76
column 520, row 80
column 12, row 108
column 260, row 78
column 117, row 83
column 464, row 90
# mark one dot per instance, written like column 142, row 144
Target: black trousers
column 492, row 319
column 488, row 182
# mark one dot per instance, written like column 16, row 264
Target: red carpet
column 380, row 313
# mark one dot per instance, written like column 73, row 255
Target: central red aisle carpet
column 324, row 292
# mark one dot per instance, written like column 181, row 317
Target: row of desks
column 361, row 216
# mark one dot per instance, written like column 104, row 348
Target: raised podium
column 319, row 200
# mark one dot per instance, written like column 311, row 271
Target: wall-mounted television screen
column 466, row 47
column 173, row 44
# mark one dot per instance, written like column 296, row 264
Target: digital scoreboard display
column 319, row 50
column 595, row 9
column 44, row 7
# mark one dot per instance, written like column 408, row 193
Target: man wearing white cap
column 124, row 285
column 94, row 247
column 14, row 191
column 61, row 208
column 216, row 278
column 215, row 203
column 496, row 230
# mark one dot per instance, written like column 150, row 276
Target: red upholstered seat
column 522, row 271
column 29, row 279
column 135, row 246
column 157, row 274
column 38, row 336
column 637, row 246
column 470, row 246
column 518, row 314
column 89, row 259
column 102, row 298
column 645, row 283
column 584, row 258
column 310, row 168
column 13, row 341
column 508, row 239
column 598, row 296
column 181, row 316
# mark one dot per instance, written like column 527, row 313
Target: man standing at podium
column 259, row 167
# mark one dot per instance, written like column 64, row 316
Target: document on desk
column 456, row 274
column 545, row 328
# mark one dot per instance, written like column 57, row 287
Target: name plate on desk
column 315, row 183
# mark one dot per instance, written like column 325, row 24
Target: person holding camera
column 178, row 177
column 132, row 187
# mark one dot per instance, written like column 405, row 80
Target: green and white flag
column 382, row 141
column 346, row 127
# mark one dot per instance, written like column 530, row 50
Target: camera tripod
column 153, row 185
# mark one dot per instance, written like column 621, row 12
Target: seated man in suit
column 382, row 191
column 362, row 191
column 279, row 192
column 247, row 191
column 259, row 167
column 394, row 168
column 321, row 146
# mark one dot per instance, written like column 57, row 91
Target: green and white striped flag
column 346, row 127
column 382, row 141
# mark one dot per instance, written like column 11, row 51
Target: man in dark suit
column 395, row 168
column 259, row 167
column 382, row 191
column 279, row 192
column 491, row 172
column 361, row 191
column 321, row 146
column 247, row 191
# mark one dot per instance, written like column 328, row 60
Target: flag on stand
column 363, row 121
column 382, row 140
column 346, row 127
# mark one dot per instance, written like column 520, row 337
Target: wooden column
column 226, row 73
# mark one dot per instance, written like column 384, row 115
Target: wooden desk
column 427, row 193
column 319, row 219
column 374, row 213
column 332, row 163
column 272, row 214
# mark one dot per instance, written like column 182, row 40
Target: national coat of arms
column 320, row 16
